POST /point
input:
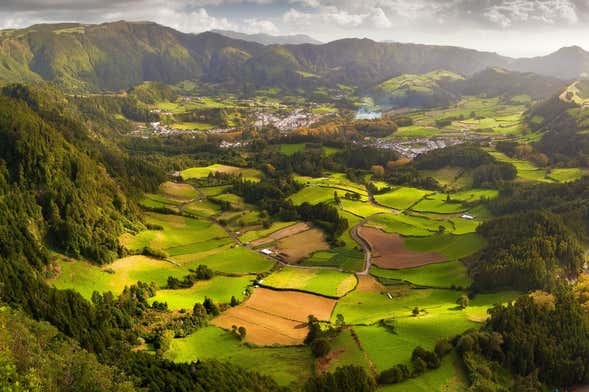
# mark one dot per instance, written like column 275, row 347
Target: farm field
column 258, row 233
column 181, row 192
column 287, row 365
column 301, row 245
column 86, row 278
column 276, row 317
column 401, row 198
column 441, row 275
column 177, row 232
column 232, row 260
column 344, row 351
column 201, row 172
column 388, row 250
column 220, row 289
column 281, row 233
column 454, row 203
column 323, row 282
column 409, row 225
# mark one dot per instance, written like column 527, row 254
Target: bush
column 320, row 347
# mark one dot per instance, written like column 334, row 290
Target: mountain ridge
column 119, row 55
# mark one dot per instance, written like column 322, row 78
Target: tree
column 339, row 321
column 463, row 301
column 415, row 311
column 336, row 198
column 242, row 332
column 234, row 302
column 377, row 170
column 320, row 347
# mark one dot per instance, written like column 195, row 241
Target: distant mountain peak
column 268, row 39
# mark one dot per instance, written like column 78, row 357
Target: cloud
column 380, row 20
column 255, row 26
column 306, row 3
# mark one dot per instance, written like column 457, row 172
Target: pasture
column 201, row 172
column 401, row 198
column 440, row 275
column 324, row 282
column 287, row 365
column 232, row 260
column 301, row 245
column 220, row 289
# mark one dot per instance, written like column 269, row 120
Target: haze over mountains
column 114, row 56
column 268, row 39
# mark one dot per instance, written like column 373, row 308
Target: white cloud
column 380, row 20
column 306, row 3
column 192, row 22
column 254, row 26
column 297, row 18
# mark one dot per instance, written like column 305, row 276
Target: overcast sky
column 510, row 27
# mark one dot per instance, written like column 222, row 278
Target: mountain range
column 268, row 39
column 118, row 55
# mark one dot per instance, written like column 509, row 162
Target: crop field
column 291, row 149
column 566, row 174
column 439, row 275
column 301, row 245
column 401, row 198
column 445, row 176
column 338, row 181
column 220, row 289
column 151, row 200
column 281, row 233
column 276, row 317
column 388, row 250
column 258, row 233
column 214, row 190
column 285, row 364
column 201, row 172
column 325, row 282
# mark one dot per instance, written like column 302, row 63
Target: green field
column 440, row 275
column 234, row 259
column 448, row 245
column 363, row 209
column 566, row 175
column 401, row 198
column 450, row 376
column 220, row 289
column 253, row 235
column 177, row 233
column 409, row 225
column 202, row 208
column 86, row 278
column 440, row 204
column 285, row 364
column 346, row 352
column 344, row 258
column 201, row 172
column 290, row 149
column 313, row 195
column 324, row 282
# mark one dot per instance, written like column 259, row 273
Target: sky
column 517, row 28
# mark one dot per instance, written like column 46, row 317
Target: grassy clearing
column 285, row 364
column 448, row 245
column 201, row 172
column 220, row 289
column 324, row 282
column 192, row 126
column 401, row 198
column 566, row 175
column 441, row 275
